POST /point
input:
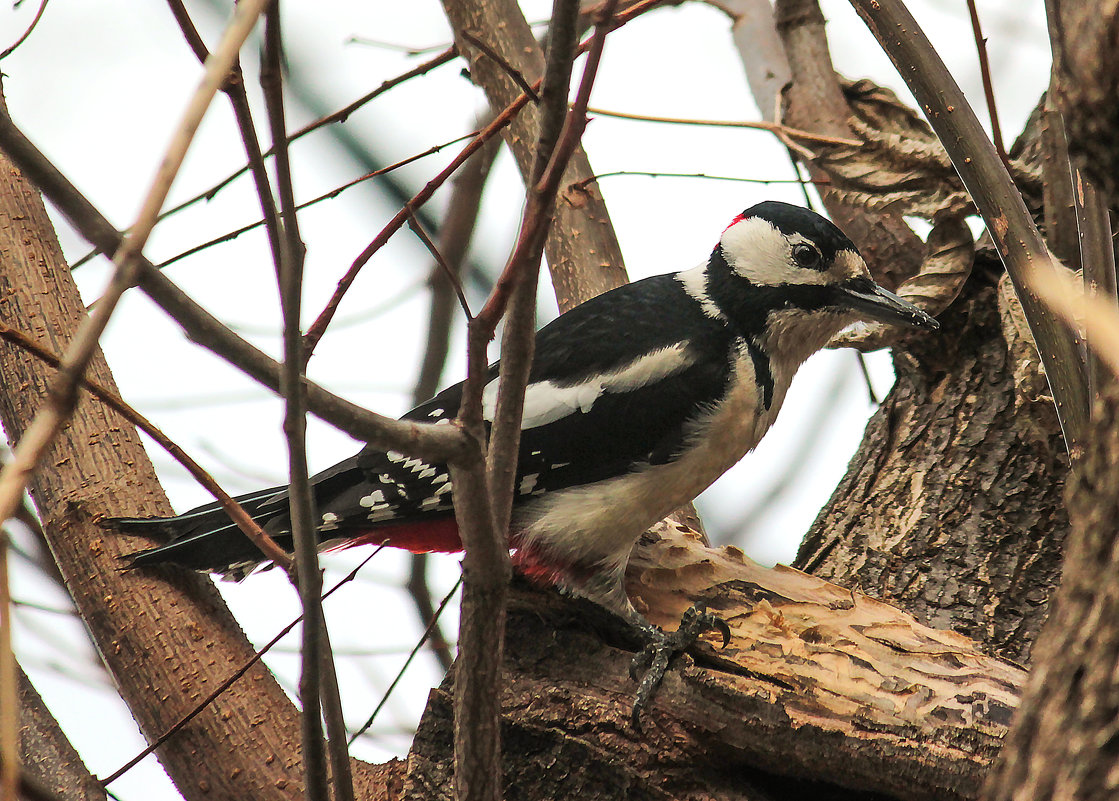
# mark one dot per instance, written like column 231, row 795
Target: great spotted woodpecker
column 637, row 401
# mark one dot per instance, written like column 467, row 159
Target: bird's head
column 784, row 271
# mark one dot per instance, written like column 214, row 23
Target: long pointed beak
column 881, row 304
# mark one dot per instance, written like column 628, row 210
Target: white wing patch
column 546, row 401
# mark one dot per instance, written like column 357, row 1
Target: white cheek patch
column 760, row 253
column 546, row 401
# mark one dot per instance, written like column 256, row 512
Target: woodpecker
column 637, row 401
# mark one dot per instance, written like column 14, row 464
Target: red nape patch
column 736, row 220
column 420, row 537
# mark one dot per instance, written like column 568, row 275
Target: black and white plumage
column 637, row 401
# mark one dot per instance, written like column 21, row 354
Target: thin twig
column 431, row 627
column 649, row 174
column 502, row 62
column 448, row 270
column 38, row 16
column 988, row 86
column 772, row 127
column 63, row 390
column 229, row 682
column 308, row 578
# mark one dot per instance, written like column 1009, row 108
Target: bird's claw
column 651, row 663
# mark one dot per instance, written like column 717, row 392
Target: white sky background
column 100, row 85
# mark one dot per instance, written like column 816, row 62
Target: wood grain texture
column 820, row 689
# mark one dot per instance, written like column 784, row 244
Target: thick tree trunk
column 952, row 507
column 1064, row 744
column 166, row 636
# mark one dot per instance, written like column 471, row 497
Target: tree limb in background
column 582, row 250
column 999, row 202
column 316, row 661
column 47, row 756
column 458, row 227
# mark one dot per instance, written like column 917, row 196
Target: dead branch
column 818, row 683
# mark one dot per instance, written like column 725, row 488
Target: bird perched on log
column 637, row 401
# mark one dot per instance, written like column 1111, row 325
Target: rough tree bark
column 1064, row 744
column 820, row 689
column 952, row 507
column 166, row 637
column 46, row 756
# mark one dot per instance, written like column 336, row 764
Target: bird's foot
column 650, row 665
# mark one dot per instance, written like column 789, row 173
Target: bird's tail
column 205, row 538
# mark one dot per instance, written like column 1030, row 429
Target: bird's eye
column 806, row 256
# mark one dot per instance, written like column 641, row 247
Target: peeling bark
column 820, row 689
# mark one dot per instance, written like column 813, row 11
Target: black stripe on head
column 747, row 306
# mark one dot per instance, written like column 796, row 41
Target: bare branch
column 1019, row 244
column 63, row 392
column 438, row 443
column 314, row 651
column 23, row 38
column 988, row 87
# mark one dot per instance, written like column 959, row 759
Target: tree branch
column 820, row 684
column 436, row 443
column 1017, row 239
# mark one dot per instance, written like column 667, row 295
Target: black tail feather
column 204, row 538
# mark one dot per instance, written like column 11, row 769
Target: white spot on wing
column 373, row 498
column 436, row 413
column 395, row 456
column 528, row 483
